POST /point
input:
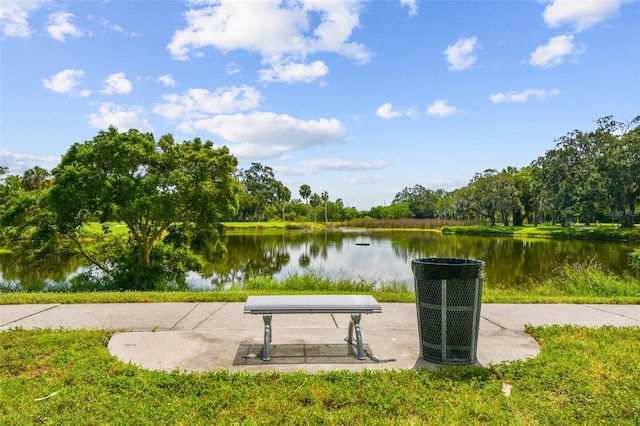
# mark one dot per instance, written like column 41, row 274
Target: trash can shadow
column 448, row 301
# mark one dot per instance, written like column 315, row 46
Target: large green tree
column 261, row 190
column 170, row 194
column 523, row 181
column 589, row 173
column 423, row 202
column 616, row 155
column 493, row 193
column 21, row 202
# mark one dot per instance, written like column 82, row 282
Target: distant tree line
column 588, row 177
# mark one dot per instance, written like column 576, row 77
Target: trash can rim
column 452, row 261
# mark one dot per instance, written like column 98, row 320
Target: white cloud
column 387, row 112
column 281, row 32
column 201, row 103
column 460, row 55
column 441, row 108
column 114, row 115
column 115, row 27
column 579, row 13
column 58, row 26
column 268, row 135
column 64, row 82
column 167, row 80
column 118, row 84
column 20, row 163
column 14, row 16
column 341, row 164
column 523, row 96
column 412, row 5
column 555, row 52
column 232, row 68
column 294, row 72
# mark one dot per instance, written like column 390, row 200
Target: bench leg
column 355, row 324
column 266, row 356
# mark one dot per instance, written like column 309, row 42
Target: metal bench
column 355, row 305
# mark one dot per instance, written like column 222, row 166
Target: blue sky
column 359, row 99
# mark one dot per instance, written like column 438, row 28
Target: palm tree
column 315, row 201
column 325, row 198
column 284, row 195
column 305, row 193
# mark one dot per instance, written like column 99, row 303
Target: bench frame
column 354, row 305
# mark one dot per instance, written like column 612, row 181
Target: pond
column 380, row 256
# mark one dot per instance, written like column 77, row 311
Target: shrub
column 635, row 260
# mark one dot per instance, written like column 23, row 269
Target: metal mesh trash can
column 448, row 300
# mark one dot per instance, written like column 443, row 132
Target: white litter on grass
column 506, row 389
column 46, row 397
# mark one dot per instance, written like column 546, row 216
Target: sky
column 360, row 99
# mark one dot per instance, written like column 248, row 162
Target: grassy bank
column 582, row 376
column 599, row 232
column 271, row 226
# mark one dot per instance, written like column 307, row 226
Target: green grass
column 596, row 232
column 174, row 296
column 271, row 225
column 582, row 376
column 405, row 224
column 586, row 282
column 95, row 229
column 567, row 283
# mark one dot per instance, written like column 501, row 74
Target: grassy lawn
column 582, row 376
column 488, row 296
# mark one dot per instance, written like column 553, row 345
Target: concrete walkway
column 213, row 336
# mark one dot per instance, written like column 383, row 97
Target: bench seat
column 321, row 304
column 355, row 305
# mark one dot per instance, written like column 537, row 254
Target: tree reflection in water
column 381, row 256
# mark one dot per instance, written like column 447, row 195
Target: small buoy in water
column 363, row 244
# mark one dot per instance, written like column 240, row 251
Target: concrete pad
column 322, row 350
column 300, row 354
column 496, row 346
column 215, row 350
column 11, row 314
column 174, row 350
column 485, row 324
column 632, row 312
column 109, row 316
column 202, row 313
column 515, row 317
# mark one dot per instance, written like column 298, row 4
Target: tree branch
column 102, row 267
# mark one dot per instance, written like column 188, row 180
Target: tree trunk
column 517, row 217
column 144, row 253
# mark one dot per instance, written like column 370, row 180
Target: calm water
column 380, row 256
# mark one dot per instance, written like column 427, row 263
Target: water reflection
column 382, row 256
column 385, row 256
column 21, row 272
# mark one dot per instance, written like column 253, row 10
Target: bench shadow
column 302, row 353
